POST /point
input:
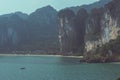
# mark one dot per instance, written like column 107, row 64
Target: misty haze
column 60, row 40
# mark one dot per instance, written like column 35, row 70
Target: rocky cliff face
column 43, row 28
column 89, row 30
column 108, row 26
column 79, row 30
column 71, row 31
column 66, row 30
column 12, row 29
column 37, row 31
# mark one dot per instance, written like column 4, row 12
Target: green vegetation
column 118, row 79
column 109, row 52
column 113, row 45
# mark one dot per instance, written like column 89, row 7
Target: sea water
column 55, row 68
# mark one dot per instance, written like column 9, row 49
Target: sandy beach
column 39, row 55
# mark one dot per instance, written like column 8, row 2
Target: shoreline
column 41, row 55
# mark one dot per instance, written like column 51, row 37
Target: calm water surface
column 54, row 68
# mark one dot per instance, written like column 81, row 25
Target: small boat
column 22, row 68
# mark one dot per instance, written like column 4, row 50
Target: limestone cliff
column 107, row 27
column 85, row 32
column 72, row 30
column 22, row 32
column 66, row 30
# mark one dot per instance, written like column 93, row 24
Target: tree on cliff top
column 66, row 13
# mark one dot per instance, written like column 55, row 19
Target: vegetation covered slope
column 22, row 32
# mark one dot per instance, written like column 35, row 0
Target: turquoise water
column 54, row 68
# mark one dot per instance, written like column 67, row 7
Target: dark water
column 54, row 68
